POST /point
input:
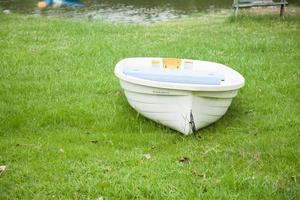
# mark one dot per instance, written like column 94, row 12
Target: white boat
column 183, row 94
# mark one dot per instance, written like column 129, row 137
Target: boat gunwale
column 176, row 86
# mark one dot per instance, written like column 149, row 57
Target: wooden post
column 282, row 8
column 236, row 11
column 236, row 7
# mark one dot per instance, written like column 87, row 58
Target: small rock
column 100, row 198
column 2, row 169
column 7, row 12
column 147, row 156
column 185, row 160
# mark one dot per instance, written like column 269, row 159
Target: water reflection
column 128, row 13
column 149, row 11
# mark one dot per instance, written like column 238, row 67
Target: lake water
column 140, row 11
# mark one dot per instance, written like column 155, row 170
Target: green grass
column 58, row 92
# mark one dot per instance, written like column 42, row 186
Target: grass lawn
column 67, row 131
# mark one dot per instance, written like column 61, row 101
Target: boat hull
column 184, row 111
column 183, row 94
